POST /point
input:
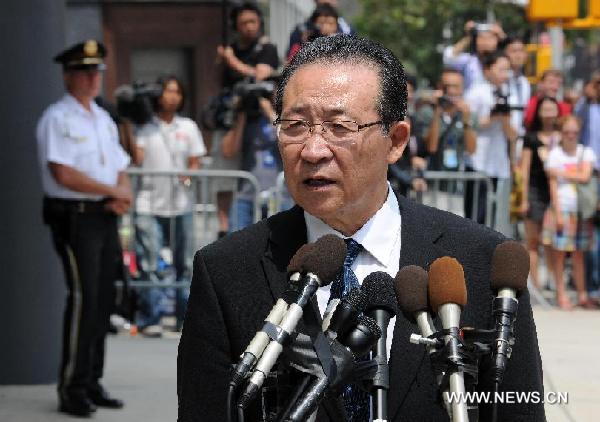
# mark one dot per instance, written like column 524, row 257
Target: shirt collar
column 76, row 105
column 377, row 236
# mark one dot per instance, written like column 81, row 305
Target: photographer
column 495, row 140
column 322, row 23
column 250, row 56
column 256, row 140
column 164, row 204
column 299, row 34
column 450, row 126
column 480, row 39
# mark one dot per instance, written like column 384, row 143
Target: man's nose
column 315, row 147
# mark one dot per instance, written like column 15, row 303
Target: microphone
column 447, row 296
column 321, row 265
column 261, row 339
column 358, row 342
column 410, row 285
column 510, row 268
column 382, row 306
column 346, row 313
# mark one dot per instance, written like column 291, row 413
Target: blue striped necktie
column 356, row 401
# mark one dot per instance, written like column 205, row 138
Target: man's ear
column 399, row 134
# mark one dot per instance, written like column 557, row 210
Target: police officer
column 82, row 166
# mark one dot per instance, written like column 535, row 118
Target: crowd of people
column 483, row 116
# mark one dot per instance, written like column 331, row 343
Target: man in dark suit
column 341, row 106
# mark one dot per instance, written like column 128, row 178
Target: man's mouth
column 317, row 182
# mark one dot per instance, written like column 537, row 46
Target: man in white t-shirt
column 164, row 204
column 495, row 139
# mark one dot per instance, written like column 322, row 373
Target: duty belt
column 75, row 205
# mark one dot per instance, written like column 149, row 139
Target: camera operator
column 298, row 35
column 322, row 23
column 164, row 204
column 256, row 140
column 450, row 127
column 250, row 56
column 480, row 39
column 495, row 140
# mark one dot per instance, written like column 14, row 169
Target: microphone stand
column 381, row 380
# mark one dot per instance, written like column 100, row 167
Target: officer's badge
column 90, row 48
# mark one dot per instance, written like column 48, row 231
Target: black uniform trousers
column 86, row 239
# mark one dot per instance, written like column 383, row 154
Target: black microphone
column 381, row 306
column 357, row 343
column 321, row 266
column 510, row 268
column 261, row 339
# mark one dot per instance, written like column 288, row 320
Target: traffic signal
column 539, row 59
column 542, row 10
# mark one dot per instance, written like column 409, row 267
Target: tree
column 414, row 29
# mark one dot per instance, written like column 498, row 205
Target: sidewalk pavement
column 142, row 371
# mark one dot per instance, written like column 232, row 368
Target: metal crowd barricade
column 446, row 190
column 203, row 210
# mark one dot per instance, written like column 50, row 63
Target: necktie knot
column 353, row 248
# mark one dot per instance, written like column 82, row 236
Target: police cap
column 83, row 56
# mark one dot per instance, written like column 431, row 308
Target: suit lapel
column 418, row 247
column 287, row 232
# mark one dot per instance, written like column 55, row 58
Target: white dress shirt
column 87, row 141
column 380, row 238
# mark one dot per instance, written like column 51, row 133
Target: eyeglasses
column 570, row 132
column 296, row 131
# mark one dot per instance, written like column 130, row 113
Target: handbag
column 587, row 195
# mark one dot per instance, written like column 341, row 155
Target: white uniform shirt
column 87, row 141
column 380, row 238
column 491, row 154
column 167, row 146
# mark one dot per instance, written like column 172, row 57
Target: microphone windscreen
column 379, row 290
column 411, row 290
column 446, row 283
column 295, row 265
column 357, row 299
column 326, row 259
column 510, row 266
column 370, row 324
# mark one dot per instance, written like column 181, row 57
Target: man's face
column 171, row 97
column 327, row 25
column 84, row 83
column 516, row 54
column 486, row 42
column 497, row 74
column 452, row 84
column 551, row 85
column 248, row 25
column 338, row 181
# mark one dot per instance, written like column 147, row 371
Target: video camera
column 219, row 112
column 136, row 101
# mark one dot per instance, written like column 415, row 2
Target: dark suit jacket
column 237, row 280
